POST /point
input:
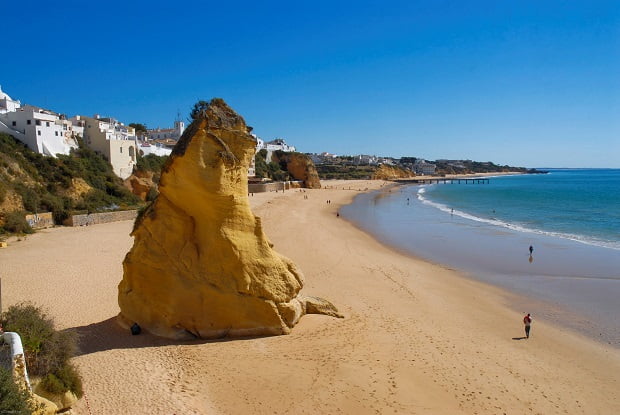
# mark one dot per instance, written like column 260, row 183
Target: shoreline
column 416, row 337
column 570, row 295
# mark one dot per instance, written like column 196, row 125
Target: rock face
column 389, row 172
column 140, row 183
column 201, row 265
column 302, row 168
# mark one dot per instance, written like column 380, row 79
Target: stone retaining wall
column 96, row 218
column 40, row 220
column 272, row 186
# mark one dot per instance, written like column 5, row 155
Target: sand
column 417, row 338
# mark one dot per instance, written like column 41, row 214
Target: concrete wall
column 273, row 186
column 40, row 220
column 96, row 218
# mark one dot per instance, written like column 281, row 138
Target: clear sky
column 524, row 83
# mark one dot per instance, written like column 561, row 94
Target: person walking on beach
column 531, row 250
column 527, row 321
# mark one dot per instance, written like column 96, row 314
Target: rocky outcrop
column 385, row 172
column 44, row 406
column 301, row 167
column 201, row 265
column 140, row 183
column 62, row 401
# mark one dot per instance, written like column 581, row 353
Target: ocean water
column 581, row 205
column 571, row 218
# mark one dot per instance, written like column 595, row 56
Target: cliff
column 301, row 167
column 34, row 183
column 385, row 172
column 141, row 183
column 201, row 265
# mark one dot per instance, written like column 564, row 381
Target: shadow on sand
column 519, row 338
column 108, row 335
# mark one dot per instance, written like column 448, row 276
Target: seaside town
column 49, row 133
column 300, row 208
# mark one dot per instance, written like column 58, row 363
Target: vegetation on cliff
column 31, row 182
column 350, row 167
column 469, row 167
column 286, row 165
column 345, row 172
column 13, row 399
column 270, row 170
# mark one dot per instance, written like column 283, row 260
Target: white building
column 424, row 168
column 365, row 159
column 115, row 141
column 323, row 158
column 278, row 144
column 43, row 131
column 146, row 148
column 173, row 133
column 7, row 104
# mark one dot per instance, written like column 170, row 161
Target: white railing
column 18, row 360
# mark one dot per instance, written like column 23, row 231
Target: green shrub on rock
column 13, row 400
column 15, row 222
column 47, row 351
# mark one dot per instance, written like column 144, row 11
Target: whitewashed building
column 424, row 168
column 145, row 148
column 43, row 131
column 173, row 133
column 322, row 158
column 7, row 104
column 278, row 144
column 115, row 141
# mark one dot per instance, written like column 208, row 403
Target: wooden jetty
column 451, row 180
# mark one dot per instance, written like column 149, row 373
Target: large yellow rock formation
column 301, row 167
column 201, row 265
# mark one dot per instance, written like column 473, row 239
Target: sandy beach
column 417, row 338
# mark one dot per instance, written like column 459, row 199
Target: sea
column 569, row 217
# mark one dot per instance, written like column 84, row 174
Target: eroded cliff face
column 301, row 167
column 201, row 265
column 385, row 172
column 140, row 183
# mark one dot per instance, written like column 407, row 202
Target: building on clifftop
column 173, row 133
column 43, row 131
column 115, row 141
column 7, row 104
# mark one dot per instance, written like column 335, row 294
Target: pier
column 451, row 180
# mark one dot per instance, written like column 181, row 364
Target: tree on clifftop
column 140, row 128
column 199, row 107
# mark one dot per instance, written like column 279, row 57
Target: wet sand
column 416, row 337
column 567, row 282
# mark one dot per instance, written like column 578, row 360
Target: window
column 47, row 124
column 56, row 132
column 28, row 122
column 14, row 123
column 37, row 122
column 121, row 149
column 39, row 132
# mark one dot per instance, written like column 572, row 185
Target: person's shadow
column 519, row 338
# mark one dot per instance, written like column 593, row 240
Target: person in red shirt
column 527, row 320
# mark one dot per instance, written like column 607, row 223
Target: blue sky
column 523, row 83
